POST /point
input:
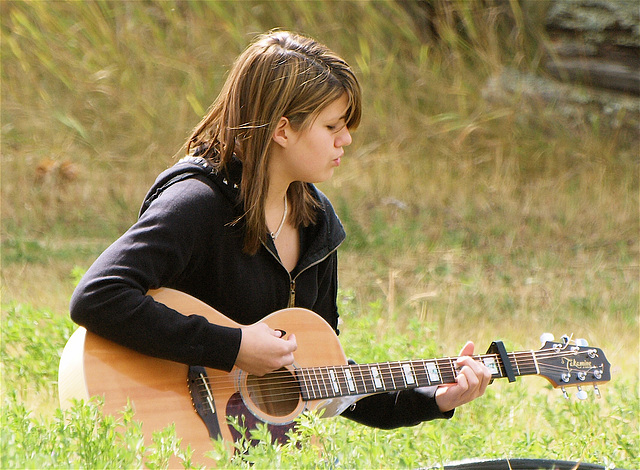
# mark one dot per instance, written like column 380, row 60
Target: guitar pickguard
column 237, row 408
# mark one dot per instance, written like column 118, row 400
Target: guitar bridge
column 202, row 399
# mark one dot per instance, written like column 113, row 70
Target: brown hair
column 279, row 74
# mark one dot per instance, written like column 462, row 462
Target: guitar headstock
column 572, row 364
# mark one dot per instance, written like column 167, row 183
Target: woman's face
column 313, row 153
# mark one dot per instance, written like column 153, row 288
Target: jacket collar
column 322, row 238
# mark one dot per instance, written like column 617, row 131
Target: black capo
column 497, row 347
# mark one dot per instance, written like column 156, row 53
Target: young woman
column 239, row 225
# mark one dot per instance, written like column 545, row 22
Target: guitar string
column 322, row 374
column 396, row 367
column 285, row 395
column 390, row 370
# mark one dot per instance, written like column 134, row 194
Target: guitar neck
column 318, row 383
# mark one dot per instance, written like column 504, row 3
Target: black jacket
column 183, row 239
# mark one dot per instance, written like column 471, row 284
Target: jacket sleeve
column 111, row 299
column 397, row 409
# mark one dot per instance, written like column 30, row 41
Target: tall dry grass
column 115, row 87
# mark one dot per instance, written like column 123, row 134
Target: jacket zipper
column 292, row 280
column 292, row 293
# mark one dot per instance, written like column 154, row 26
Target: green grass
column 467, row 218
column 511, row 421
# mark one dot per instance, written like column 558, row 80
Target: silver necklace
column 275, row 234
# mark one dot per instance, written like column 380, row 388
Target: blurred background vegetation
column 468, row 215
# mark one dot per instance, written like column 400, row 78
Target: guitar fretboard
column 317, row 383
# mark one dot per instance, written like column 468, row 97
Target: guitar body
column 158, row 390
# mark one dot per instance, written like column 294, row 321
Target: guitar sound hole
column 276, row 394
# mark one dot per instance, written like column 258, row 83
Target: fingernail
column 282, row 332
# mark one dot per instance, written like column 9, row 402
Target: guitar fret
column 314, row 390
column 399, row 371
column 328, row 382
column 385, row 375
column 318, row 390
column 535, row 363
column 452, row 368
column 351, row 385
column 308, row 379
column 327, row 389
column 322, row 389
column 342, row 380
column 422, row 378
column 334, row 382
column 490, row 362
column 396, row 375
column 389, row 380
column 530, row 363
column 362, row 379
column 433, row 372
column 375, row 377
column 446, row 370
column 515, row 365
column 408, row 374
column 503, row 370
column 303, row 383
column 436, row 375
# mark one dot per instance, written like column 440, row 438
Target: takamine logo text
column 574, row 363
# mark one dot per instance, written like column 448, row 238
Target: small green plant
column 81, row 437
column 32, row 341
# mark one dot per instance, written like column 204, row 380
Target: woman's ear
column 282, row 133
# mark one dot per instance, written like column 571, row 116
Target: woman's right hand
column 263, row 350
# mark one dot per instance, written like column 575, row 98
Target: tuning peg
column 565, row 339
column 564, row 392
column 581, row 342
column 581, row 394
column 544, row 337
column 597, row 391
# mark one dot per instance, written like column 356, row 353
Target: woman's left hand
column 471, row 382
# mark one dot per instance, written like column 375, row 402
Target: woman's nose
column 344, row 138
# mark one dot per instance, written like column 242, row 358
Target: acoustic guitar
column 200, row 400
